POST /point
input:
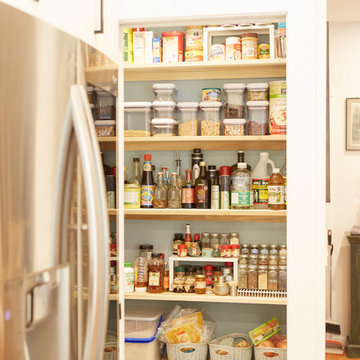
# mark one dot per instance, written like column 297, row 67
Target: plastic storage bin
column 141, row 325
column 164, row 127
column 234, row 127
column 187, row 351
column 210, row 119
column 137, row 118
column 258, row 117
column 164, row 109
column 105, row 107
column 267, row 353
column 223, row 352
column 258, row 91
column 105, row 127
column 235, row 101
column 188, row 124
column 164, row 92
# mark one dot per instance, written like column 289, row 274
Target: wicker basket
column 260, row 353
column 110, row 344
column 188, row 351
column 223, row 352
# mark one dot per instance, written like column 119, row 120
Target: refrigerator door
column 53, row 223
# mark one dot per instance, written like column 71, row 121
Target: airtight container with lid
column 105, row 127
column 234, row 127
column 235, row 101
column 137, row 115
column 164, row 109
column 258, row 117
column 188, row 124
column 164, row 127
column 164, row 92
column 210, row 118
column 258, row 91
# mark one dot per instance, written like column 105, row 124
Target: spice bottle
column 147, row 184
column 178, row 240
column 282, row 285
column 263, row 277
column 234, row 238
column 156, row 274
column 188, row 193
column 160, row 193
column 252, row 277
column 235, row 251
column 282, row 250
column 253, row 259
column 215, row 200
column 244, row 259
column 194, row 249
column 276, row 191
column 245, row 249
column 141, row 270
column 254, row 249
column 264, row 249
column 242, row 277
column 273, row 278
column 225, row 187
column 241, row 191
column 135, row 177
column 225, row 251
column 205, row 240
column 188, row 239
column 224, row 239
column 202, row 188
column 174, row 193
column 196, row 158
column 273, row 250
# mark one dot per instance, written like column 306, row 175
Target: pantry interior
column 136, row 227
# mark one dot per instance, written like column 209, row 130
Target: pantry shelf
column 252, row 215
column 112, row 214
column 169, row 296
column 241, row 69
column 101, row 74
column 107, row 143
column 266, row 142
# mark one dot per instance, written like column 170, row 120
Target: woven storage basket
column 110, row 342
column 230, row 352
column 179, row 351
column 260, row 353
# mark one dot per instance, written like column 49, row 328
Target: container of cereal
column 105, row 127
column 234, row 127
column 235, row 101
column 210, row 118
column 233, row 48
column 164, row 92
column 277, row 110
column 258, row 91
column 137, row 118
column 164, row 127
column 173, row 46
column 258, row 117
column 249, row 44
column 211, row 94
column 164, row 109
column 188, row 124
column 217, row 52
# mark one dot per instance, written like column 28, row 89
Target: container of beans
column 235, row 101
column 210, row 118
column 234, row 127
column 137, row 116
column 258, row 91
column 249, row 46
column 258, row 117
column 188, row 122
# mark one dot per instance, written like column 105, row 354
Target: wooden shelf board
column 251, row 215
column 112, row 214
column 101, row 74
column 266, row 142
column 169, row 296
column 107, row 143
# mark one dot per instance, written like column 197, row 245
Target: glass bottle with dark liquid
column 147, row 184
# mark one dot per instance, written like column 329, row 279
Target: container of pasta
column 137, row 118
column 277, row 107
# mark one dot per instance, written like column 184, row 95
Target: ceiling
column 343, row 10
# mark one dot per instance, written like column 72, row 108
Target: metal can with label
column 157, row 50
column 264, row 51
column 131, row 196
column 217, row 52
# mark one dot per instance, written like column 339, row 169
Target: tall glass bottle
column 212, row 177
column 174, row 194
column 196, row 158
column 160, row 193
column 147, row 184
column 165, row 172
column 241, row 159
column 180, row 180
column 225, row 187
column 241, row 191
column 188, row 193
column 202, row 188
column 136, row 176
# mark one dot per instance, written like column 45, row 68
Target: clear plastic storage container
column 210, row 119
column 234, row 127
column 258, row 117
column 188, row 124
column 258, row 91
column 137, row 118
column 164, row 109
column 105, row 127
column 164, row 92
column 164, row 127
column 235, row 101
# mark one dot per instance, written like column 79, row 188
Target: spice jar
column 216, row 250
column 254, row 249
column 225, row 251
column 205, row 240
column 234, row 238
column 189, row 272
column 249, row 46
column 282, row 250
column 263, row 277
column 274, row 250
column 252, row 277
column 188, row 125
column 217, row 272
column 209, row 274
column 264, row 249
column 228, row 273
column 242, row 277
column 245, row 249
column 179, row 271
column 210, row 123
column 224, row 239
column 263, row 260
column 258, row 117
column 156, row 274
column 253, row 259
column 273, row 260
column 282, row 261
column 182, row 250
column 221, row 286
column 235, row 101
column 200, row 284
column 194, row 249
column 235, row 251
column 178, row 240
column 282, row 285
column 244, row 258
column 273, row 278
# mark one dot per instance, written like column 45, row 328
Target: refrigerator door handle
column 98, row 228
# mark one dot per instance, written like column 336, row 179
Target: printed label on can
column 264, row 51
column 217, row 52
column 239, row 197
column 132, row 198
column 188, row 196
column 276, row 194
column 154, row 278
column 202, row 194
column 260, row 188
column 147, row 195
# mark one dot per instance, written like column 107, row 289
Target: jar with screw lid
column 252, row 277
column 263, row 277
column 182, row 250
column 178, row 240
column 282, row 285
column 234, row 238
column 235, row 251
column 263, row 260
column 264, row 249
column 254, row 249
column 205, row 240
column 253, row 259
column 189, row 272
column 200, row 284
column 228, row 273
column 179, row 271
column 225, row 251
column 244, row 259
column 282, row 261
column 274, row 250
column 242, row 277
column 245, row 249
column 273, row 260
column 224, row 239
column 282, row 250
column 273, row 278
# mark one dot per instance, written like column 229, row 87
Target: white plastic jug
column 260, row 178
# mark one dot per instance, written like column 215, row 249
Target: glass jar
column 214, row 240
column 189, row 272
column 224, row 239
column 241, row 188
column 252, row 277
column 189, row 123
column 210, row 123
column 263, row 277
column 156, row 274
column 245, row 249
column 179, row 271
column 217, row 272
column 199, row 270
column 273, row 260
column 254, row 249
column 263, row 260
column 225, row 251
column 228, row 273
column 264, row 249
column 234, row 238
column 235, row 101
column 235, row 251
column 164, row 92
column 282, row 261
column 205, row 240
column 273, row 278
column 216, row 250
column 234, row 127
column 242, row 277
column 221, row 286
column 249, row 46
column 194, row 250
column 282, row 285
column 282, row 250
column 253, row 259
column 200, row 284
column 274, row 250
column 244, row 259
column 164, row 127
column 182, row 250
column 258, row 117
column 258, row 91
column 137, row 118
column 178, row 240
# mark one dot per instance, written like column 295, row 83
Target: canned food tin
column 264, row 51
column 131, row 196
column 194, row 55
column 217, row 52
column 233, row 48
column 156, row 50
column 211, row 94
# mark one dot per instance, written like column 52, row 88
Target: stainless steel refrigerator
column 53, row 219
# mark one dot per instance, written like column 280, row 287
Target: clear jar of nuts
column 210, row 120
column 234, row 127
column 188, row 124
column 137, row 118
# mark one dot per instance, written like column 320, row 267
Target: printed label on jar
column 239, row 197
column 260, row 187
column 202, row 194
column 224, row 200
column 131, row 198
column 276, row 194
column 154, row 278
column 147, row 195
column 188, row 196
column 201, row 284
column 111, row 199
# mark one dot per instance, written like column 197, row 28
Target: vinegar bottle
column 276, row 191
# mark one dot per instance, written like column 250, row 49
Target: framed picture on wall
column 353, row 124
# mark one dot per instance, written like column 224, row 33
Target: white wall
column 344, row 210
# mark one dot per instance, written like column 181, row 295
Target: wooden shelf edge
column 107, row 143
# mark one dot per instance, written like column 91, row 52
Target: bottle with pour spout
column 260, row 179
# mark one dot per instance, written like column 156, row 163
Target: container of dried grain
column 164, row 91
column 210, row 118
column 164, row 127
column 141, row 325
column 105, row 128
column 188, row 122
column 258, row 91
column 234, row 127
column 258, row 117
column 235, row 101
column 137, row 115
